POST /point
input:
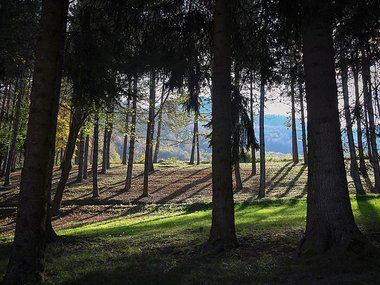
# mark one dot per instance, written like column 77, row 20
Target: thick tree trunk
column 330, row 223
column 80, row 157
column 12, row 149
column 128, row 181
column 125, row 143
column 149, row 132
column 354, row 169
column 85, row 159
column 374, row 157
column 262, row 141
column 294, row 123
column 222, row 233
column 303, row 126
column 253, row 150
column 76, row 124
column 95, row 153
column 26, row 264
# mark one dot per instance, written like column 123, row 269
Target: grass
column 167, row 248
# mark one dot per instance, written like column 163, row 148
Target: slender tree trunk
column 222, row 233
column 330, row 223
column 253, row 150
column 354, row 169
column 80, row 157
column 26, row 264
column 95, row 153
column 104, row 153
column 374, row 157
column 108, row 151
column 76, row 124
column 294, row 123
column 196, row 129
column 85, row 160
column 159, row 126
column 262, row 141
column 303, row 126
column 192, row 154
column 125, row 144
column 149, row 131
column 128, row 181
column 239, row 184
column 12, row 149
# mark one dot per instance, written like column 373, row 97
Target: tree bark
column 354, row 169
column 85, row 159
column 222, row 233
column 149, row 134
column 196, row 129
column 109, row 136
column 128, row 181
column 294, row 123
column 330, row 223
column 26, row 264
column 253, row 150
column 104, row 153
column 95, row 153
column 262, row 141
column 159, row 126
column 303, row 126
column 75, row 126
column 125, row 143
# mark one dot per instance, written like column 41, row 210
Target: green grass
column 167, row 248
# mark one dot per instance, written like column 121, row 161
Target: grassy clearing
column 166, row 248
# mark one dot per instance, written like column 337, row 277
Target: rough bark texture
column 262, row 142
column 294, row 123
column 354, row 169
column 222, row 233
column 95, row 153
column 330, row 223
column 26, row 264
column 75, row 126
column 303, row 126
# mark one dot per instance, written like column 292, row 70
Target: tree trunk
column 354, row 169
column 75, row 126
column 26, row 264
column 239, row 184
column 253, row 150
column 159, row 126
column 262, row 141
column 358, row 115
column 85, row 159
column 104, row 153
column 330, row 223
column 12, row 149
column 149, row 131
column 128, row 181
column 303, row 126
column 222, row 233
column 374, row 157
column 196, row 129
column 109, row 136
column 95, row 153
column 80, row 157
column 125, row 143
column 193, row 143
column 294, row 123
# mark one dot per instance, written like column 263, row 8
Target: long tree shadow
column 273, row 185
column 293, row 182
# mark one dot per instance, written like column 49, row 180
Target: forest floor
column 123, row 238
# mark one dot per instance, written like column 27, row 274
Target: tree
column 330, row 223
column 26, row 264
column 222, row 233
column 95, row 153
